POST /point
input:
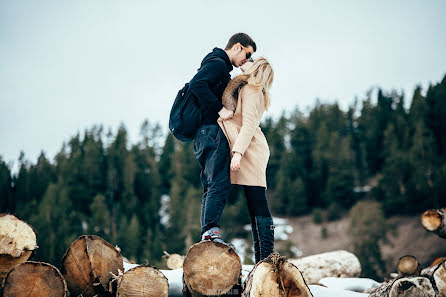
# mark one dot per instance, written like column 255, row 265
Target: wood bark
column 173, row 261
column 408, row 265
column 211, row 268
column 17, row 242
column 434, row 221
column 89, row 264
column 332, row 264
column 34, row 279
column 143, row 281
column 416, row 286
column 437, row 275
column 275, row 276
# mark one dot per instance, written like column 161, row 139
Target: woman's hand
column 235, row 162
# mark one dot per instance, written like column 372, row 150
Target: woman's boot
column 265, row 232
column 255, row 241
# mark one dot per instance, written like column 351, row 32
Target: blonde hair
column 261, row 76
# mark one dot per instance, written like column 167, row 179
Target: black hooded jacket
column 210, row 82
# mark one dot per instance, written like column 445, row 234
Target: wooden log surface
column 211, row 268
column 275, row 276
column 17, row 242
column 416, row 286
column 434, row 221
column 408, row 265
column 88, row 264
column 173, row 261
column 143, row 281
column 34, row 279
column 437, row 275
column 332, row 264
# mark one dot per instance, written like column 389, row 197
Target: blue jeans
column 211, row 149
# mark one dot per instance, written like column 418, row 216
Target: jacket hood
column 230, row 95
column 218, row 53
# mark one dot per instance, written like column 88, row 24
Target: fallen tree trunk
column 143, row 281
column 437, row 275
column 408, row 265
column 416, row 286
column 211, row 268
column 17, row 242
column 332, row 264
column 434, row 221
column 34, row 279
column 87, row 264
column 275, row 276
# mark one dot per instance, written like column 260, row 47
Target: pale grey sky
column 68, row 65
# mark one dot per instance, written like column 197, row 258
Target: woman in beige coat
column 248, row 96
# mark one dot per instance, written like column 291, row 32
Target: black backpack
column 185, row 115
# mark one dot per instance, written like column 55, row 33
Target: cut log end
column 431, row 220
column 34, row 279
column 408, row 265
column 87, row 264
column 17, row 241
column 412, row 287
column 143, row 281
column 211, row 268
column 173, row 261
column 274, row 276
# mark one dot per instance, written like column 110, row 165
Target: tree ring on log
column 211, row 268
column 34, row 279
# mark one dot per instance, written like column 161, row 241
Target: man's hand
column 225, row 113
column 235, row 162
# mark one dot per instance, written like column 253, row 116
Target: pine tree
column 99, row 221
column 5, row 188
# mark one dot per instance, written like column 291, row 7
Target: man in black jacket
column 211, row 148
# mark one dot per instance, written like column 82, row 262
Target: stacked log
column 173, row 261
column 143, row 281
column 417, row 286
column 430, row 282
column 275, row 276
column 211, row 268
column 437, row 275
column 332, row 264
column 408, row 265
column 89, row 264
column 17, row 241
column 434, row 221
column 34, row 279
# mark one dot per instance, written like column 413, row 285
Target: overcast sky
column 68, row 65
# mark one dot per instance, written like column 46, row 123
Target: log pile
column 275, row 276
column 211, row 268
column 17, row 241
column 430, row 282
column 434, row 221
column 34, row 279
column 87, row 264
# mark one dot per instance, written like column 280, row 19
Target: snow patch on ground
column 349, row 284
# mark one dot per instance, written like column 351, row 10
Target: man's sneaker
column 214, row 235
column 211, row 234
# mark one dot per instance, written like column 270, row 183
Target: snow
column 319, row 291
column 350, row 284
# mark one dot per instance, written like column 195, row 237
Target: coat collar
column 230, row 95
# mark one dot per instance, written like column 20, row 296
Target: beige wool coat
column 243, row 132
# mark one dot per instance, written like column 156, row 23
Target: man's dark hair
column 244, row 40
